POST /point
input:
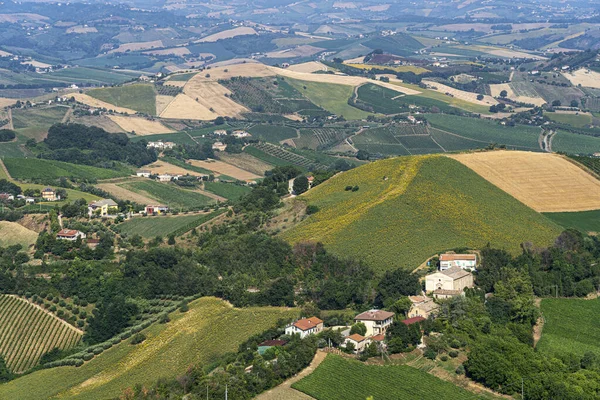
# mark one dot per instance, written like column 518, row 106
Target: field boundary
column 62, row 321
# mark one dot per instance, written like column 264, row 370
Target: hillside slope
column 408, row 208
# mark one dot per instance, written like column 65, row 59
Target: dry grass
column 253, row 70
column 184, row 107
column 545, row 182
column 141, row 126
column 223, row 168
column 461, row 94
column 136, row 46
column 4, row 102
column 497, row 88
column 299, row 51
column 163, row 167
column 584, row 77
column 92, row 102
column 378, row 8
column 12, row 233
column 178, row 51
column 101, row 121
column 162, row 102
column 124, row 194
column 228, row 34
column 212, row 96
column 246, row 162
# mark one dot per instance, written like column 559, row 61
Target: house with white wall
column 464, row 261
column 305, row 327
column 376, row 321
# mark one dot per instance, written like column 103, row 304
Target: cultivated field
column 570, row 326
column 246, row 162
column 397, row 68
column 574, row 143
column 584, row 77
column 139, row 97
column 397, row 218
column 140, row 126
column 195, row 337
column 337, row 378
column 177, row 51
column 169, row 194
column 461, row 94
column 12, row 233
column 308, row 67
column 164, row 167
column 585, row 221
column 228, row 34
column 542, row 181
column 138, row 46
column 250, row 69
column 299, row 51
column 35, row 168
column 93, row 102
column 124, row 194
column 150, row 227
column 211, row 95
column 497, row 88
column 4, row 102
column 223, row 168
column 185, row 107
column 81, row 29
column 162, row 102
column 27, row 332
column 34, row 122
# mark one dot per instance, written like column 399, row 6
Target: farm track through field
column 6, row 171
column 67, row 116
column 10, row 120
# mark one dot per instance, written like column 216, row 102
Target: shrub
column 460, row 370
column 430, row 354
column 355, row 189
column 62, row 303
column 348, row 188
column 98, row 350
column 88, row 357
column 455, row 344
column 183, row 307
column 311, row 209
column 53, row 308
column 444, row 357
column 80, row 323
column 138, row 338
column 453, row 353
column 164, row 318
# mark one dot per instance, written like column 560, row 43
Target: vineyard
column 398, row 139
column 575, row 143
column 150, row 227
column 27, row 332
column 593, row 104
column 286, row 156
column 592, row 163
column 571, row 326
column 272, row 133
column 382, row 100
column 412, row 207
column 339, row 378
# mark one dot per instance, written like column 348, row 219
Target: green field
column 141, row 98
column 208, row 330
column 92, row 75
column 35, row 168
column 11, row 233
column 27, row 332
column 427, row 95
column 519, row 137
column 169, row 194
column 386, row 101
column 573, row 143
column 331, row 97
column 182, row 77
column 339, row 378
column 265, row 157
column 398, row 139
column 585, row 221
column 272, row 133
column 149, row 227
column 35, row 122
column 409, row 208
column 576, row 120
column 571, row 326
column 230, row 191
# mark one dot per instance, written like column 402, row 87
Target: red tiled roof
column 454, row 257
column 307, row 323
column 413, row 320
column 67, row 232
column 378, row 338
column 356, row 337
column 374, row 315
column 274, row 342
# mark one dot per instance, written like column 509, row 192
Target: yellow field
column 584, row 77
column 225, row 169
column 184, row 107
column 163, row 167
column 124, row 194
column 397, row 68
column 178, row 51
column 461, row 94
column 12, row 233
column 228, row 34
column 544, row 182
column 141, row 126
column 138, row 46
column 299, row 51
column 162, row 102
column 211, row 95
column 4, row 102
column 92, row 102
column 250, row 69
column 497, row 88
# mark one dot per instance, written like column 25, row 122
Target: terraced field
column 409, row 208
column 27, row 332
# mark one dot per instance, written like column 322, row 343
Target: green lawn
column 230, row 191
column 149, row 227
column 30, row 168
column 170, row 194
column 331, row 97
column 208, row 330
column 139, row 97
column 585, row 221
column 571, row 326
column 409, row 208
column 339, row 378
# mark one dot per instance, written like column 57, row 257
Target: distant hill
column 406, row 209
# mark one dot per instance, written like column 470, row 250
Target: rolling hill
column 409, row 208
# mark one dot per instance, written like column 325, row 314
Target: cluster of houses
column 453, row 277
column 48, row 194
column 220, row 146
column 160, row 145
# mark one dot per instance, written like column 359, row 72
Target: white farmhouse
column 464, row 261
column 448, row 283
column 305, row 327
column 144, row 173
column 360, row 342
column 376, row 321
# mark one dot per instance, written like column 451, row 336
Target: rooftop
column 454, row 257
column 378, row 338
column 305, row 324
column 356, row 337
column 374, row 315
column 455, row 272
column 67, row 232
column 413, row 320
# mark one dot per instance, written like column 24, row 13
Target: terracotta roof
column 374, row 315
column 67, row 232
column 272, row 343
column 427, row 306
column 418, row 299
column 307, row 323
column 455, row 272
column 356, row 337
column 378, row 338
column 454, row 257
column 413, row 320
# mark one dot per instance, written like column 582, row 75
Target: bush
column 430, row 354
column 355, row 189
column 444, row 357
column 88, row 357
column 453, row 353
column 455, row 344
column 138, row 338
column 460, row 370
column 311, row 209
column 80, row 323
column 184, row 307
column 98, row 350
column 53, row 308
column 49, row 297
column 164, row 318
column 348, row 188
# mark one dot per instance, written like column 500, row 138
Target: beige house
column 376, row 321
column 448, row 283
column 464, row 261
column 103, row 207
column 422, row 306
column 49, row 194
column 360, row 342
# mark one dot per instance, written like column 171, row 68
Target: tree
column 556, row 103
column 362, row 155
column 479, row 97
column 574, row 103
column 171, row 240
column 300, row 185
column 5, row 374
column 394, row 285
column 503, row 93
column 359, row 328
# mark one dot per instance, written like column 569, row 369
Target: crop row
column 285, row 155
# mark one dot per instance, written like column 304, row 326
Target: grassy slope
column 453, row 101
column 35, row 122
column 12, row 233
column 169, row 194
column 571, row 326
column 210, row 329
column 331, row 97
column 228, row 190
column 140, row 98
column 337, row 378
column 576, row 120
column 30, row 168
column 150, row 227
column 585, row 221
column 426, row 205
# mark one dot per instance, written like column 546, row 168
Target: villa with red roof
column 70, row 234
column 305, row 327
column 376, row 321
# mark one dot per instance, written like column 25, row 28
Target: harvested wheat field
column 584, row 77
column 223, row 168
column 228, row 34
column 92, row 102
column 101, row 121
column 140, row 126
column 171, row 82
column 184, row 107
column 300, row 51
column 4, row 102
column 163, row 167
column 308, row 67
column 252, row 70
column 246, row 162
column 82, row 29
column 124, row 194
column 136, row 46
column 461, row 94
column 497, row 88
column 162, row 102
column 212, row 96
column 545, row 182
